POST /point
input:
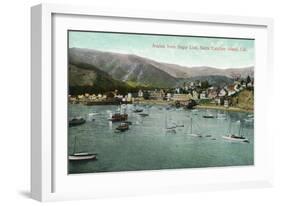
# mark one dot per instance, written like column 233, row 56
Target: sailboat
column 118, row 116
column 208, row 115
column 123, row 127
column 235, row 137
column 76, row 156
column 76, row 121
column 137, row 109
column 144, row 114
column 170, row 128
column 191, row 130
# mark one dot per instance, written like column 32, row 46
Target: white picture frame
column 48, row 178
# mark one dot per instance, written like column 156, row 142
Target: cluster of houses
column 216, row 95
column 112, row 97
column 189, row 91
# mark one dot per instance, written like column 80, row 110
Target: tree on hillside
column 248, row 80
column 205, row 84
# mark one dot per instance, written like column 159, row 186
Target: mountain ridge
column 175, row 70
column 144, row 71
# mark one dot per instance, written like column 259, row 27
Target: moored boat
column 82, row 156
column 192, row 134
column 76, row 156
column 76, row 121
column 123, row 127
column 138, row 110
column 143, row 114
column 235, row 138
column 208, row 116
column 117, row 117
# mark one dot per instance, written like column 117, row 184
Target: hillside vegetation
column 244, row 100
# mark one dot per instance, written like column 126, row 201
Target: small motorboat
column 76, row 121
column 236, row 138
column 82, row 156
column 138, row 110
column 194, row 135
column 143, row 114
column 123, row 127
column 208, row 116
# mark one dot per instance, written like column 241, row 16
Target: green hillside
column 244, row 100
column 85, row 78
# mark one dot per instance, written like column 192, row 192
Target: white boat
column 82, row 156
column 76, row 156
column 191, row 134
column 235, row 137
column 208, row 116
column 170, row 128
column 249, row 120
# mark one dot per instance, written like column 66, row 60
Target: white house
column 203, row 95
column 140, row 93
column 129, row 97
column 222, row 93
column 194, row 95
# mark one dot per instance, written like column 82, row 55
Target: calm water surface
column 148, row 146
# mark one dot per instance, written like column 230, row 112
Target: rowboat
column 82, row 156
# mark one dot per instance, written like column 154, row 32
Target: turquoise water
column 147, row 145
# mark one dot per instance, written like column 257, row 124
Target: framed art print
column 136, row 103
column 159, row 102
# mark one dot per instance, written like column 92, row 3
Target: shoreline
column 166, row 103
column 232, row 109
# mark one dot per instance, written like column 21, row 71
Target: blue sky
column 181, row 50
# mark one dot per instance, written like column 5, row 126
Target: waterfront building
column 195, row 95
column 203, row 95
column 140, row 93
column 129, row 97
column 222, row 93
column 181, row 97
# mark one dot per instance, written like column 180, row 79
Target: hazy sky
column 186, row 51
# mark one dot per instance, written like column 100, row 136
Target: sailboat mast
column 229, row 127
column 191, row 125
column 75, row 145
column 240, row 128
column 166, row 124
